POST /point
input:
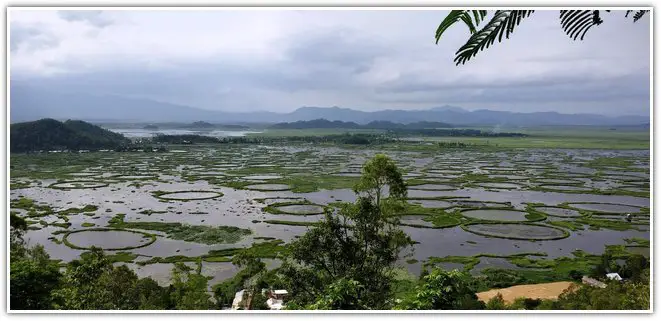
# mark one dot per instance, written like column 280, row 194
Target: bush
column 496, row 303
column 575, row 275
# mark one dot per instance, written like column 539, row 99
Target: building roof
column 280, row 292
column 614, row 276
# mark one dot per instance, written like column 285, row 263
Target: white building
column 614, row 276
column 238, row 297
column 276, row 299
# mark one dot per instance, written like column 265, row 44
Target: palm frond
column 639, row 15
column 576, row 23
column 503, row 22
column 464, row 15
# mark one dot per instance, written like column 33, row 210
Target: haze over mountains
column 27, row 104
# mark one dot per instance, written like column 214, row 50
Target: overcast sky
column 367, row 60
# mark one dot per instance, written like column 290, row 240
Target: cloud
column 94, row 17
column 280, row 60
column 30, row 39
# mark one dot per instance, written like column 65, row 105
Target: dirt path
column 533, row 291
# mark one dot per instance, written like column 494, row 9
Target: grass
column 87, row 224
column 190, row 233
column 583, row 137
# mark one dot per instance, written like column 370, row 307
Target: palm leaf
column 464, row 15
column 576, row 23
column 639, row 15
column 503, row 22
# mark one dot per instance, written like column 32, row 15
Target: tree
column 575, row 24
column 615, row 296
column 189, row 290
column 444, row 290
column 634, row 266
column 377, row 173
column 358, row 245
column 92, row 283
column 32, row 278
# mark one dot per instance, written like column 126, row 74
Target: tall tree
column 353, row 251
column 575, row 24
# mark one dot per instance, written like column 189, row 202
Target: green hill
column 50, row 134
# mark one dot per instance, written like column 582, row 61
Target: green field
column 589, row 137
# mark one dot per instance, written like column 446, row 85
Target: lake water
column 140, row 133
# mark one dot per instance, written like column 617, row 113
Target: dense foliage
column 49, row 134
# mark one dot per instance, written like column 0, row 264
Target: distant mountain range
column 377, row 124
column 27, row 104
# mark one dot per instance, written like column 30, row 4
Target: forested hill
column 50, row 134
column 323, row 123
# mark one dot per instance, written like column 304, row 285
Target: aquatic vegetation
column 67, row 185
column 186, row 195
column 190, row 233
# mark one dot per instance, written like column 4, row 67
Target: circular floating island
column 187, row 195
column 295, row 209
column 606, row 207
column 496, row 215
column 108, row 239
column 557, row 211
column 78, row 185
column 517, row 231
column 268, row 187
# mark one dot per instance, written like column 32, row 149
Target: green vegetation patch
column 190, row 233
column 292, row 223
column 186, row 195
column 68, row 185
column 78, row 210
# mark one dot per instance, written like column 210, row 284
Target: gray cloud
column 30, row 38
column 362, row 60
column 96, row 18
